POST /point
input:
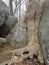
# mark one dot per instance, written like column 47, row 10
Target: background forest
column 17, row 8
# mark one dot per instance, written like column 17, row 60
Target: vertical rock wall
column 44, row 32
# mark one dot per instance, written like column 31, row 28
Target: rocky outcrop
column 4, row 30
column 18, row 36
column 44, row 32
column 4, row 12
column 11, row 22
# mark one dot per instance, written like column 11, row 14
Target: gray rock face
column 17, row 37
column 11, row 22
column 3, row 12
column 7, row 27
column 44, row 32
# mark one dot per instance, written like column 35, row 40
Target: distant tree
column 17, row 8
column 11, row 7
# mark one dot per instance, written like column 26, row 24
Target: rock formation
column 32, row 20
column 6, row 22
column 4, row 13
column 18, row 36
column 11, row 22
column 44, row 32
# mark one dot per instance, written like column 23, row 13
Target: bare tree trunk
column 11, row 7
column 20, row 11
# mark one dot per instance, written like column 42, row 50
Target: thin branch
column 18, row 6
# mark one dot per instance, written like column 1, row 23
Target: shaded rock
column 7, row 26
column 44, row 32
column 4, row 30
column 4, row 12
column 11, row 22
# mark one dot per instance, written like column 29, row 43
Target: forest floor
column 4, row 57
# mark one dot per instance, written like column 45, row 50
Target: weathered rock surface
column 8, row 26
column 4, row 12
column 44, row 32
column 18, row 37
column 11, row 22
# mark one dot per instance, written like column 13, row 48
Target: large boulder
column 6, row 22
column 4, row 12
column 11, row 22
column 17, row 37
column 44, row 32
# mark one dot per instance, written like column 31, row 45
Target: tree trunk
column 11, row 7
